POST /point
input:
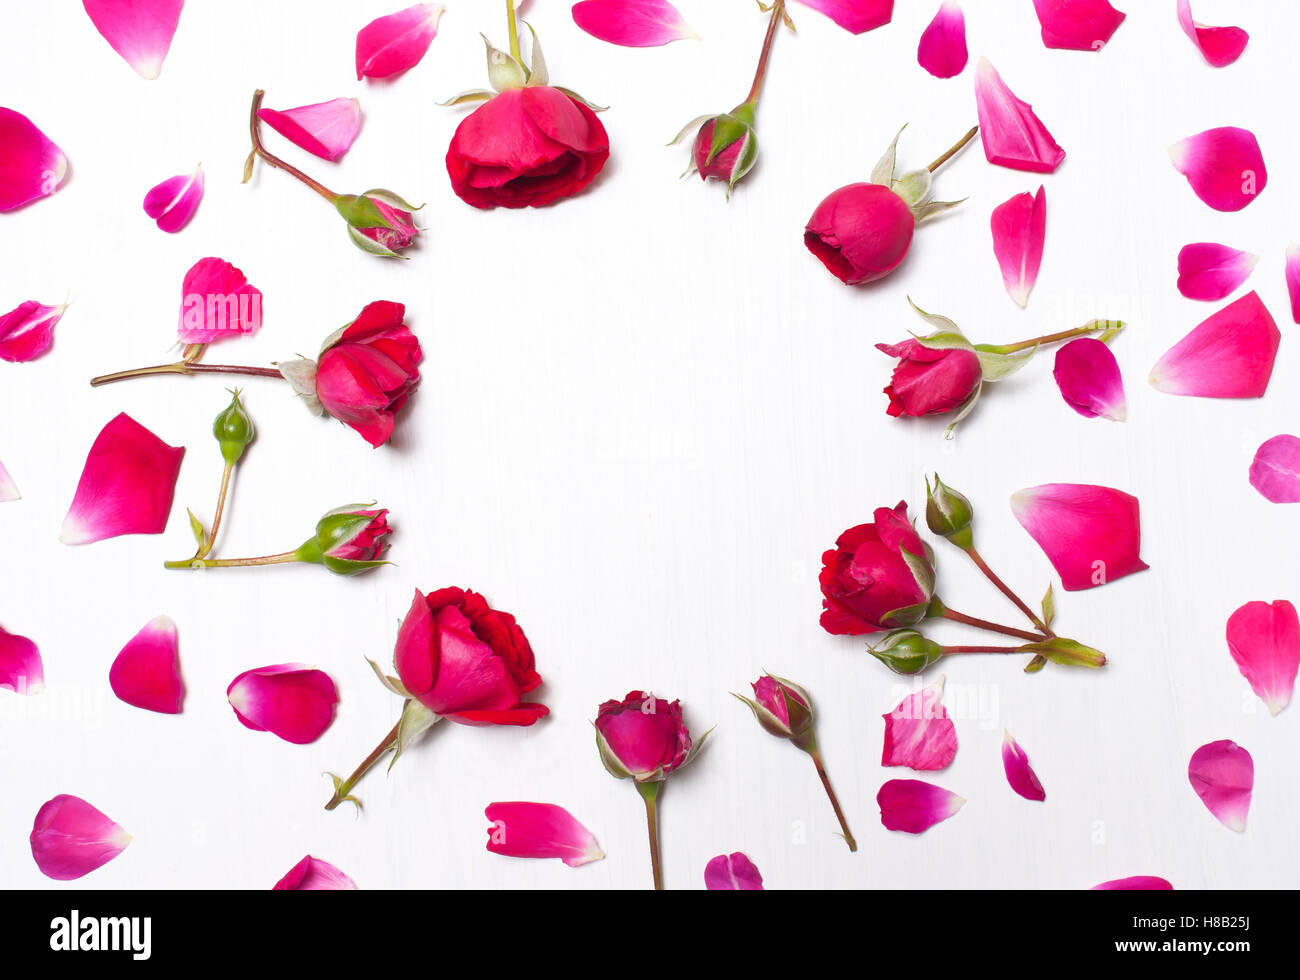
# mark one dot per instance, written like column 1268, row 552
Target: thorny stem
column 196, row 563
column 955, row 150
column 254, row 128
column 650, row 793
column 1005, row 589
column 185, row 367
column 778, row 12
column 382, row 749
column 937, row 608
column 835, row 801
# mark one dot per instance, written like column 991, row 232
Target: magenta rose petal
column 314, row 875
column 397, row 42
column 540, row 830
column 1019, row 231
column 732, row 873
column 918, row 733
column 1077, row 25
column 147, row 672
column 126, row 486
column 21, row 669
column 1224, row 166
column 139, row 30
column 1219, row 46
column 1293, row 279
column 8, row 489
column 1020, row 774
column 173, row 203
column 632, row 23
column 70, row 838
column 27, row 331
column 1264, row 641
column 293, row 701
column 1275, row 471
column 942, row 49
column 1208, row 271
column 1090, row 534
column 1090, row 381
column 1223, row 774
column 914, row 806
column 31, row 166
column 855, row 16
column 217, row 302
column 1229, row 355
column 326, row 129
column 1013, row 135
column 1148, row 883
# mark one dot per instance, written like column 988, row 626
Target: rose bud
column 379, row 222
column 878, row 576
column 234, row 430
column 348, row 540
column 948, row 513
column 907, row 652
column 927, row 381
column 725, row 147
column 783, row 708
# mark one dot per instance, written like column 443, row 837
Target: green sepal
column 1049, row 607
column 883, row 172
column 998, row 367
column 200, row 532
column 470, row 95
column 1036, row 663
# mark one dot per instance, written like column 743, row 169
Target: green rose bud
column 949, row 514
column 234, row 430
column 907, row 652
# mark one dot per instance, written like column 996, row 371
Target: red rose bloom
column 928, row 381
column 642, row 736
column 866, row 584
column 861, row 232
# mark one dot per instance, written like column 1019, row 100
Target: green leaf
column 1049, row 608
column 1036, row 664
column 200, row 532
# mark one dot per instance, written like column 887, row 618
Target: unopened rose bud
column 379, row 221
column 949, row 514
column 725, row 146
column 907, row 652
column 234, row 430
column 782, row 707
column 348, row 540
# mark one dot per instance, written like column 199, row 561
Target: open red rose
column 642, row 736
column 526, row 147
column 927, row 381
column 867, row 584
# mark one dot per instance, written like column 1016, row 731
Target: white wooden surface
column 645, row 413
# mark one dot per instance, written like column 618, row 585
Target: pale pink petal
column 394, row 43
column 139, row 30
column 1090, row 534
column 918, row 733
column 147, row 673
column 1229, row 355
column 632, row 23
column 1090, row 381
column 1264, row 640
column 732, row 873
column 1210, row 272
column 1077, row 25
column 8, row 489
column 1293, row 279
column 21, row 670
column 1225, row 166
column 1223, row 774
column 856, row 16
column 942, row 51
column 126, row 486
column 70, row 838
column 1013, row 136
column 1019, row 231
column 1020, row 774
column 540, row 830
column 292, row 701
column 31, row 166
column 27, row 331
column 173, row 202
column 314, row 875
column 1147, row 883
column 217, row 302
column 327, row 129
column 914, row 806
column 1219, row 46
column 1275, row 471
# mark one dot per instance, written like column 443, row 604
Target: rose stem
column 955, row 150
column 383, row 748
column 650, row 793
column 937, row 608
column 203, row 552
column 184, row 367
column 280, row 559
column 514, row 31
column 1005, row 589
column 1053, row 338
column 835, row 801
column 968, row 649
column 260, row 151
column 778, row 11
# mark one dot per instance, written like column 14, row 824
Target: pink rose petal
column 918, row 733
column 21, row 670
column 27, row 331
column 1090, row 381
column 314, row 875
column 1013, row 136
column 942, row 51
column 1020, row 774
column 632, row 23
column 1264, row 641
column 326, row 129
column 1148, row 883
column 1077, row 25
column 914, row 806
column 1222, row 774
column 1210, row 272
column 1229, row 355
column 1019, row 230
column 292, row 701
column 217, row 302
column 126, row 486
column 855, row 16
column 173, row 202
column 70, row 838
column 1225, row 166
column 139, row 30
column 540, row 830
column 1219, row 46
column 31, row 166
column 1293, row 279
column 397, row 42
column 732, row 873
column 8, row 489
column 1090, row 534
column 1275, row 471
column 147, row 672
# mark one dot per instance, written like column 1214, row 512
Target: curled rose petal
column 126, row 486
column 1225, row 166
column 31, row 166
column 1013, row 135
column 914, row 806
column 1208, row 271
column 732, row 873
column 293, row 701
column 172, row 203
column 855, row 16
column 1090, row 381
column 1264, row 641
column 21, row 670
column 1019, row 231
column 1293, row 279
column 1077, row 25
column 1229, row 355
column 326, row 129
column 394, row 43
column 1090, row 534
column 147, row 672
column 314, row 875
column 1275, row 471
column 1223, row 774
column 217, row 302
column 1148, row 883
column 1020, row 774
column 918, row 733
column 1219, row 46
column 27, row 331
column 70, row 838
column 632, row 23
column 942, row 51
column 8, row 489
column 540, row 830
column 139, row 30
